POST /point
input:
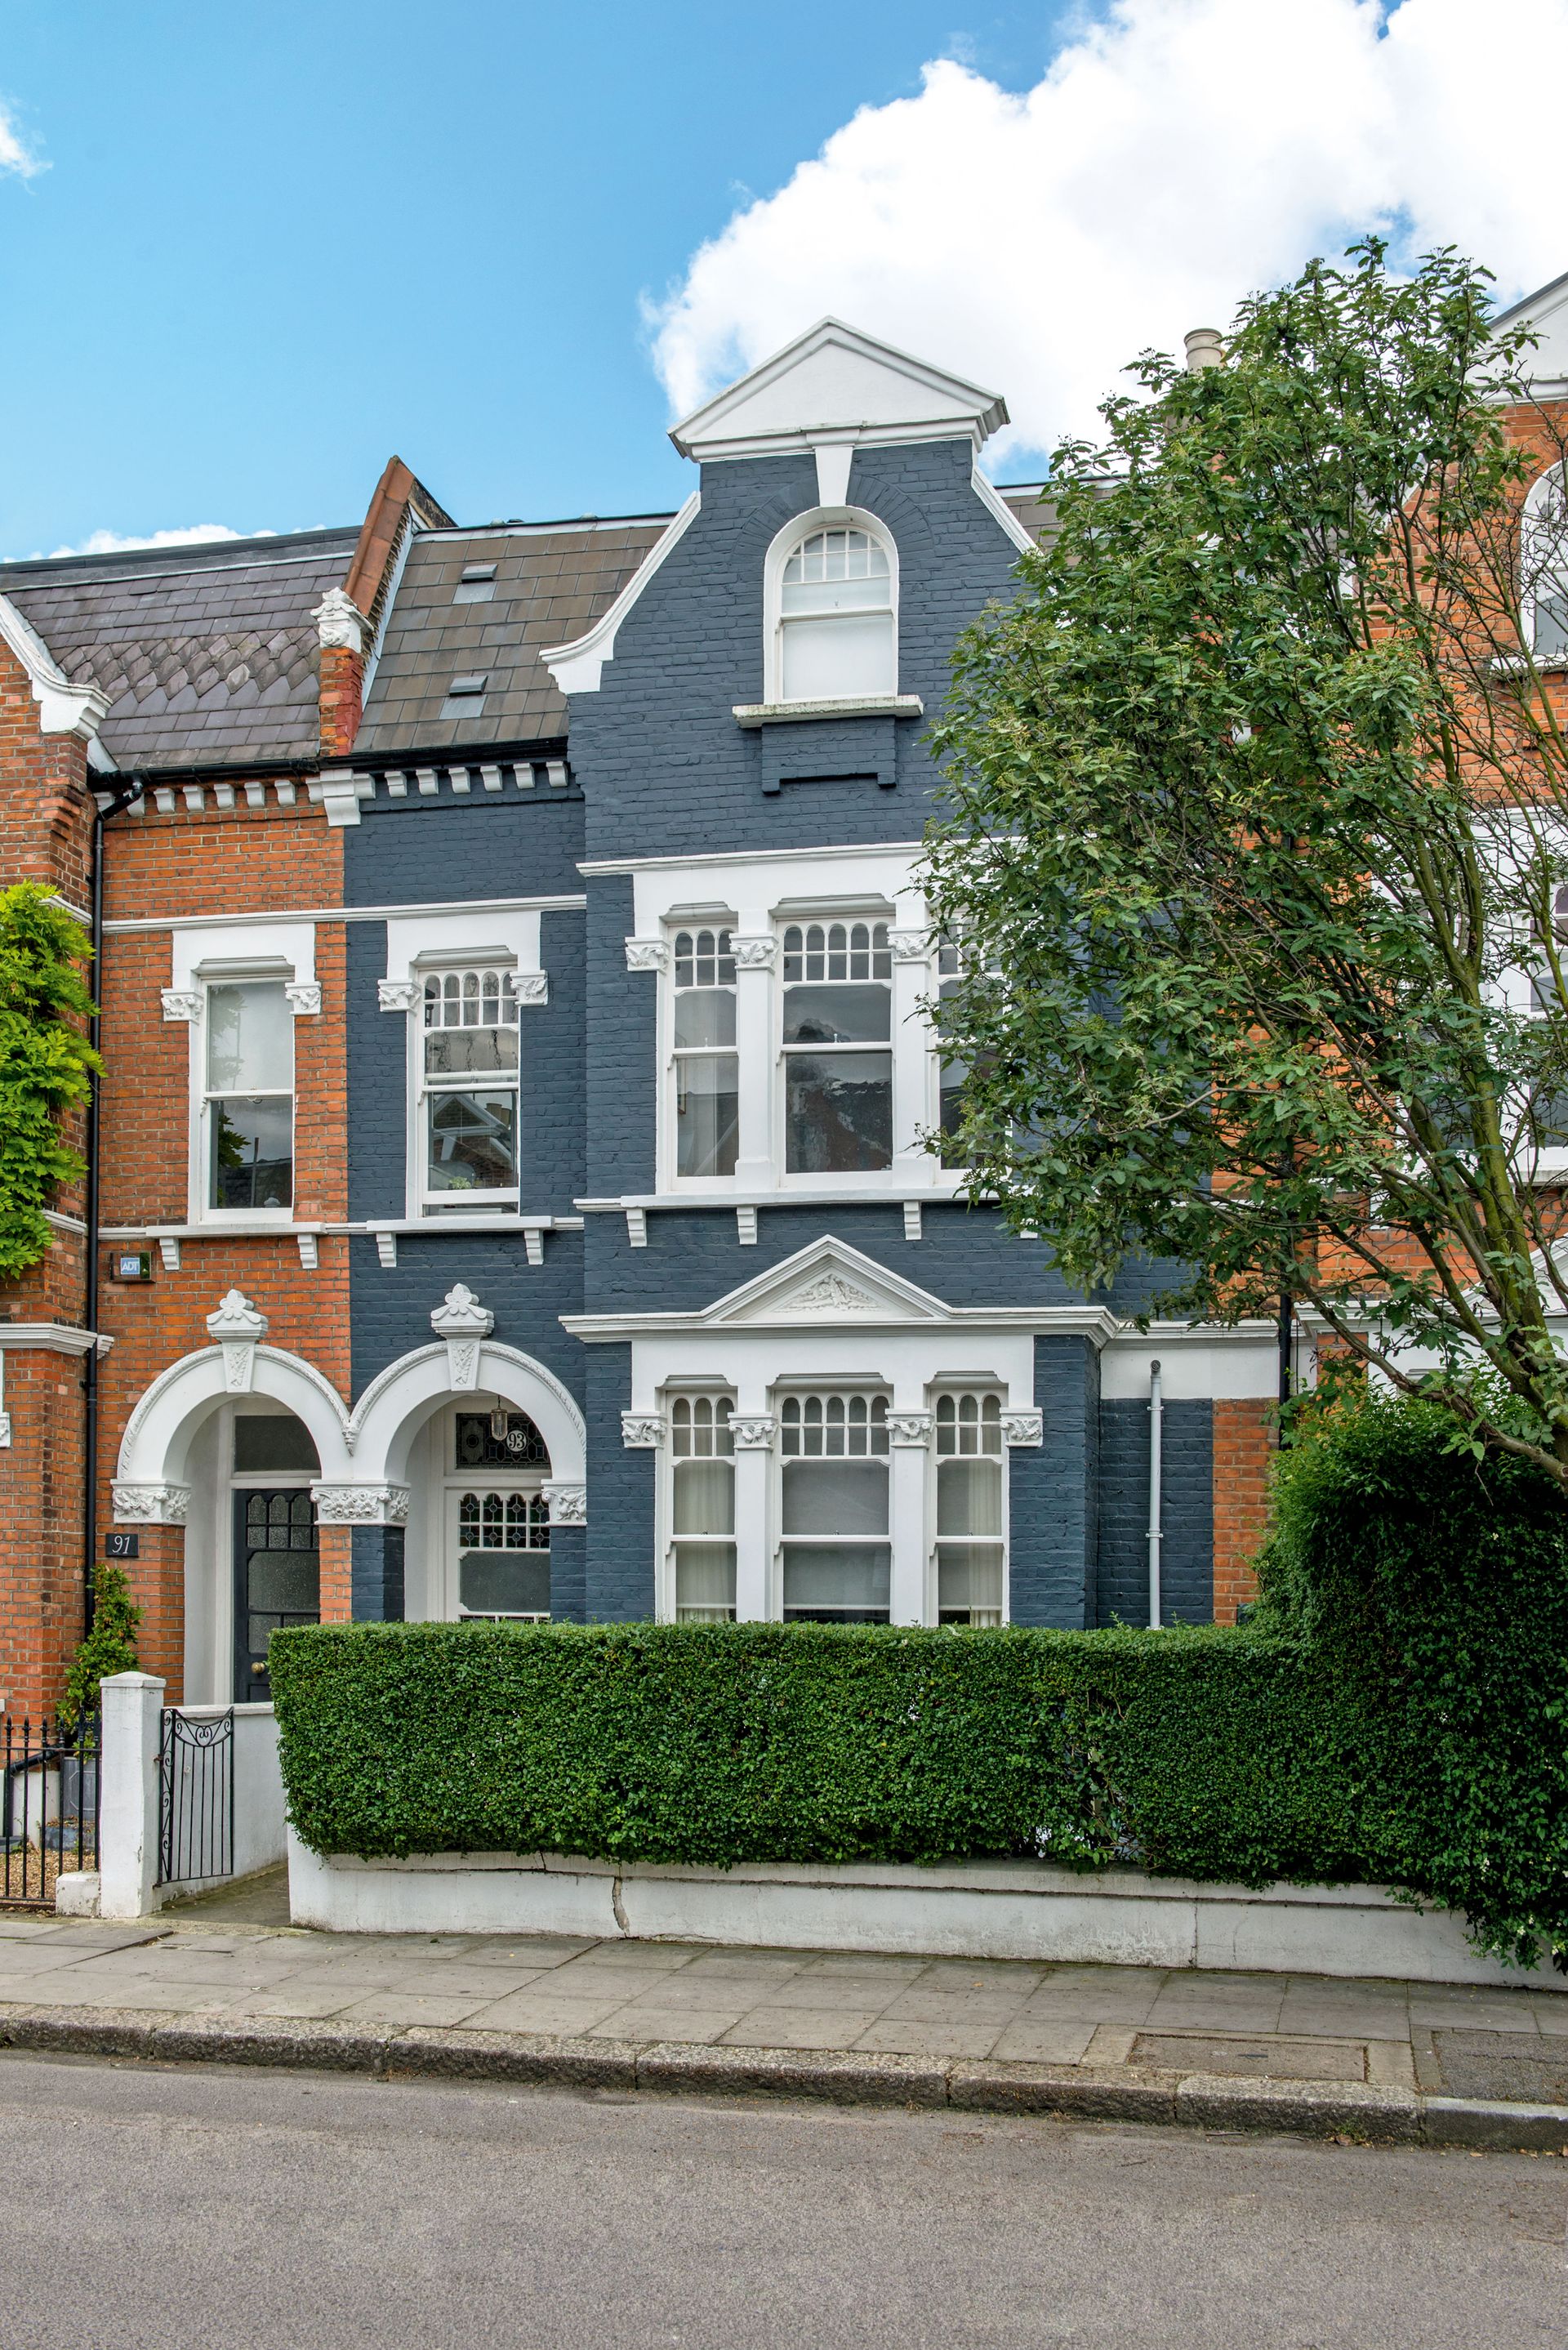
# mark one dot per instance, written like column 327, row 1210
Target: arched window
column 1543, row 570
column 833, row 622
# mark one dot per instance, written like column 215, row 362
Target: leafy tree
column 1257, row 840
column 108, row 1648
column 45, row 1064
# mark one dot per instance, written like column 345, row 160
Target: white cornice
column 1091, row 1322
column 63, row 708
column 572, row 905
column 576, row 667
column 52, row 1338
column 861, row 706
column 865, row 850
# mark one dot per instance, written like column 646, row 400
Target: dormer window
column 834, row 613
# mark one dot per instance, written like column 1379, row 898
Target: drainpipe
column 130, row 789
column 1156, row 1441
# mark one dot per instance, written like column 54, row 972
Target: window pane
column 707, row 1115
column 250, row 1039
column 704, row 1015
column 838, row 1112
column 704, row 1581
column 969, row 1497
column 968, row 1578
column 834, row 595
column 820, row 1578
column 274, row 1441
column 704, row 1497
column 470, row 1052
column 835, row 1497
column 472, row 1143
column 252, row 1153
column 283, row 1582
column 505, row 1582
column 827, row 660
column 837, row 1015
column 1551, row 625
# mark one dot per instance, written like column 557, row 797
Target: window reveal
column 469, row 1082
column 248, row 1095
column 703, row 1509
column 836, row 624
column 837, row 1557
column 969, row 1509
column 706, row 1069
column 838, row 1048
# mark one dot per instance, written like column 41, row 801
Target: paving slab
column 800, row 2027
column 1264, row 2056
column 653, row 2024
column 1525, row 2068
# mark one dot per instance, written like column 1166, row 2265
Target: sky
column 247, row 252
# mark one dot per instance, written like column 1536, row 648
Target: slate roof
column 208, row 653
column 553, row 581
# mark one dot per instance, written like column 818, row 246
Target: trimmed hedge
column 1200, row 1753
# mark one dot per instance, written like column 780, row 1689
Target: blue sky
column 274, row 243
column 247, row 251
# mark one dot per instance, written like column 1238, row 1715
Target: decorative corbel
column 464, row 1323
column 239, row 1329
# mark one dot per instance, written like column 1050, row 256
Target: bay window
column 703, row 1509
column 247, row 1102
column 838, row 1048
column 468, row 1090
column 836, row 1555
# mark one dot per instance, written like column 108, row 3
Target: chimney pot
column 1204, row 349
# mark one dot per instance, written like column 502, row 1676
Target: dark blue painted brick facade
column 1186, row 1523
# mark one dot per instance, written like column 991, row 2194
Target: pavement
column 1394, row 2061
column 150, row 2206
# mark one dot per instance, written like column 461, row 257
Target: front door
column 277, row 1579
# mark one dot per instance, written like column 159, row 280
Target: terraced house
column 514, row 1194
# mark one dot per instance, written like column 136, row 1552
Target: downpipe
column 1156, row 1478
column 130, row 789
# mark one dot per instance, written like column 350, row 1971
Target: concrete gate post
column 127, row 1806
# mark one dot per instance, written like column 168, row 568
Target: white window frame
column 781, row 548
column 695, row 1186
column 508, row 939
column 214, row 955
column 689, row 1392
column 871, row 1393
column 451, row 1206
column 902, row 1065
column 204, row 1210
column 1552, row 483
column 986, row 1393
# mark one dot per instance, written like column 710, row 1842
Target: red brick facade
column 1243, row 1452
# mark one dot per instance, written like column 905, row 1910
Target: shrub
column 108, row 1648
column 1432, row 1588
column 45, row 1064
column 1203, row 1753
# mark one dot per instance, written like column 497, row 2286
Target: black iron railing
column 195, row 1796
column 48, row 1814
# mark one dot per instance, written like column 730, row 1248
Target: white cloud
column 15, row 155
column 1178, row 155
column 110, row 542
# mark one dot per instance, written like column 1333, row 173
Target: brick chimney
column 342, row 629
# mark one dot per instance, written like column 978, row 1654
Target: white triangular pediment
column 835, row 380
column 828, row 1282
column 1545, row 313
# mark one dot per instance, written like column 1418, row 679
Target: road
column 188, row 2207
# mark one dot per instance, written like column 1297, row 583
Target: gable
column 835, row 381
column 1545, row 312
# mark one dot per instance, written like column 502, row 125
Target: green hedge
column 1202, row 1753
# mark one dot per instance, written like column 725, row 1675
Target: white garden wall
column 1010, row 1909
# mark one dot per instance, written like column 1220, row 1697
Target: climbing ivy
column 45, row 1064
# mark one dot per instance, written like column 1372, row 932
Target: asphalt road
column 145, row 2208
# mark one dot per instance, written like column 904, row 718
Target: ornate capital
column 360, row 1506
column 464, row 1323
column 151, row 1505
column 239, row 1329
column 397, row 994
column 753, row 1432
column 911, row 1428
column 1022, row 1428
column 910, row 946
column 181, row 1002
column 755, row 951
column 647, row 954
column 569, row 1504
column 529, row 986
column 303, row 996
column 339, row 622
column 641, row 1430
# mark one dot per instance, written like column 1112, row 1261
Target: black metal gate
column 195, row 1796
column 48, row 1813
